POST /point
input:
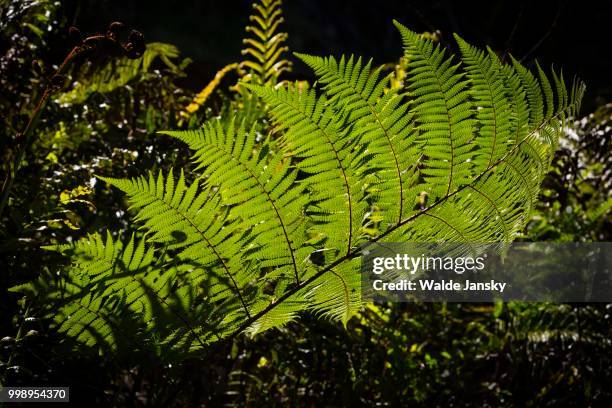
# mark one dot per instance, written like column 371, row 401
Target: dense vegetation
column 151, row 309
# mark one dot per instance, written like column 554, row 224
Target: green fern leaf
column 265, row 49
column 275, row 226
column 380, row 119
column 261, row 190
column 444, row 113
column 327, row 153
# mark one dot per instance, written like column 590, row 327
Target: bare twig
column 132, row 49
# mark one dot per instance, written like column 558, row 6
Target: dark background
column 573, row 34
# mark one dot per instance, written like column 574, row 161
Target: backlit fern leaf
column 266, row 48
column 488, row 90
column 106, row 292
column 381, row 120
column 93, row 297
column 261, row 189
column 328, row 154
column 338, row 296
column 458, row 155
column 444, row 112
column 190, row 222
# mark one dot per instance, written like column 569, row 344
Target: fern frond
column 200, row 99
column 339, row 295
column 190, row 221
column 103, row 291
column 326, row 152
column 487, row 89
column 457, row 156
column 380, row 119
column 276, row 317
column 263, row 63
column 260, row 187
column 266, row 48
column 443, row 110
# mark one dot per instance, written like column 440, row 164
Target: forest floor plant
column 274, row 226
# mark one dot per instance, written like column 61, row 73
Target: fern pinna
column 274, row 225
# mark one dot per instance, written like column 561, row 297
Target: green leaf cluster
column 273, row 226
